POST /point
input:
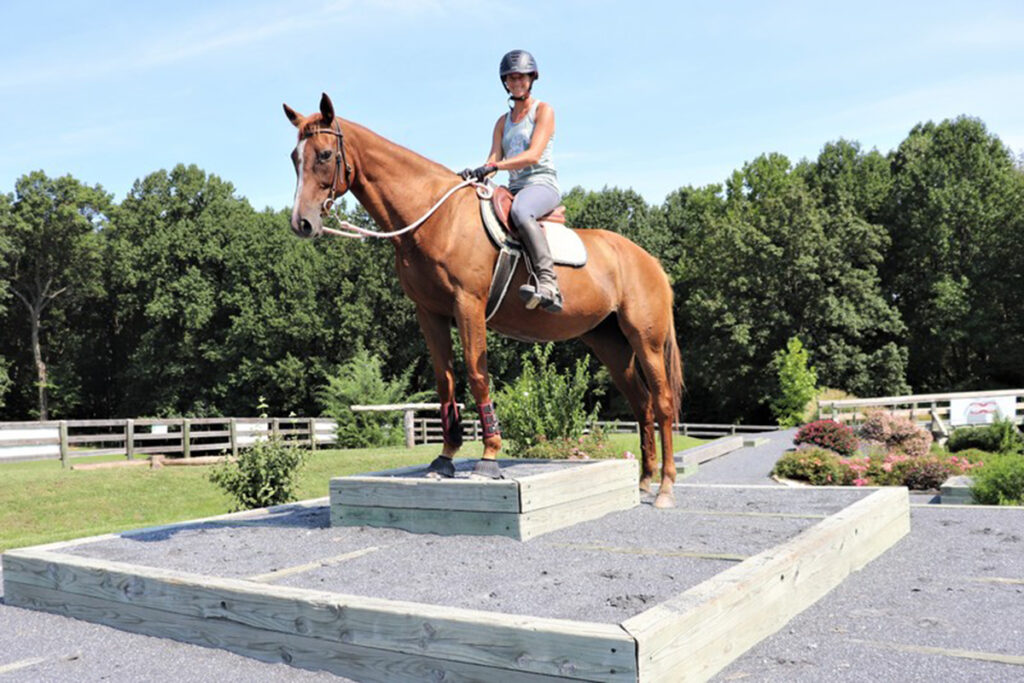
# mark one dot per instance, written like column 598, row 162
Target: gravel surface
column 943, row 604
column 601, row 570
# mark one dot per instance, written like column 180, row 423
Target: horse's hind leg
column 613, row 350
column 651, row 354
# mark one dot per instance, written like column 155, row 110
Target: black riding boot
column 545, row 292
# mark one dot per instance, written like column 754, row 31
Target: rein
column 346, row 229
column 351, row 230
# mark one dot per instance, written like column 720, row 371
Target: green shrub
column 593, row 446
column 1002, row 436
column 1000, row 481
column 797, row 383
column 361, row 381
column 975, row 455
column 544, row 405
column 264, row 474
column 924, row 473
column 814, row 465
column 829, row 434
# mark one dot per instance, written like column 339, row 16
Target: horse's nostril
column 305, row 228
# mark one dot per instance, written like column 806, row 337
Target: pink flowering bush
column 896, row 434
column 828, row 434
column 820, row 467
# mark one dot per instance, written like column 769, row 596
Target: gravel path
column 943, row 604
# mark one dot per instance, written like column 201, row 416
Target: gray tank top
column 515, row 139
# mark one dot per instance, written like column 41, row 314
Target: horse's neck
column 395, row 185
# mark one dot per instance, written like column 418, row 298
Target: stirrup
column 545, row 296
column 487, row 469
column 441, row 468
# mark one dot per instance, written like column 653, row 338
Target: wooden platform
column 689, row 637
column 548, row 496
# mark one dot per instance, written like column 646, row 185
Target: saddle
column 501, row 201
column 566, row 246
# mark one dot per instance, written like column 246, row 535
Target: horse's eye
column 324, row 155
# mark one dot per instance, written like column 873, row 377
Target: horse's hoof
column 665, row 501
column 645, row 486
column 441, row 468
column 487, row 469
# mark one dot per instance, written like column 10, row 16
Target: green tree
column 217, row 304
column 798, row 383
column 5, row 249
column 765, row 260
column 53, row 269
column 954, row 216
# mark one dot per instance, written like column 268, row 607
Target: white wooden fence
column 931, row 408
column 66, row 439
column 185, row 437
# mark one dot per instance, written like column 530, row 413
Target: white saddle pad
column 566, row 246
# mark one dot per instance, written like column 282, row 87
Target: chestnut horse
column 619, row 304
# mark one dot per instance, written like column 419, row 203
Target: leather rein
column 347, row 229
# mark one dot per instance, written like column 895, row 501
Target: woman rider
column 521, row 144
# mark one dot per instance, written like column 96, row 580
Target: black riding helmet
column 518, row 62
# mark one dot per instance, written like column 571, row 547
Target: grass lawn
column 41, row 503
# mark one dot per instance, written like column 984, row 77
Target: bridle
column 484, row 191
column 339, row 159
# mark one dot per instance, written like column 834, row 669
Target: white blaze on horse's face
column 300, row 163
column 311, row 189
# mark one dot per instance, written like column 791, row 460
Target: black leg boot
column 545, row 292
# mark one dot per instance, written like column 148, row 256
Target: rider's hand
column 478, row 173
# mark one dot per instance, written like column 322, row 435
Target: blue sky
column 648, row 95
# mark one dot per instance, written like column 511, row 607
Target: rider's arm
column 542, row 132
column 495, row 154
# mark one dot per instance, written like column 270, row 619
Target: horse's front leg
column 469, row 316
column 437, row 333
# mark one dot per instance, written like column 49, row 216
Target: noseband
column 339, row 159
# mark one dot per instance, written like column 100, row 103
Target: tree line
column 898, row 272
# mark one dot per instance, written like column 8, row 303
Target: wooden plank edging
column 115, row 592
column 699, row 632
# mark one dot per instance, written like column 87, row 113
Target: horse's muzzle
column 303, row 226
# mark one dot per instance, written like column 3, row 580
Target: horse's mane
column 409, row 157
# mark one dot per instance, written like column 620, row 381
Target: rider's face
column 518, row 84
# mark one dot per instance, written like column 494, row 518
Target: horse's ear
column 326, row 108
column 293, row 116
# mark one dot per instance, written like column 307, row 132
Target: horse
column 619, row 304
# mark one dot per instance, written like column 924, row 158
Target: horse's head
column 321, row 166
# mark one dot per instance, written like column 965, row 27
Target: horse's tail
column 674, row 369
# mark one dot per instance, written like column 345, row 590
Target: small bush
column 593, row 446
column 543, row 404
column 877, row 469
column 828, row 434
column 1002, row 436
column 1000, row 481
column 975, row 456
column 361, row 381
column 922, row 474
column 264, row 474
column 817, row 466
column 896, row 434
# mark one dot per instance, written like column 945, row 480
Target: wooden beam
column 260, row 617
column 699, row 632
